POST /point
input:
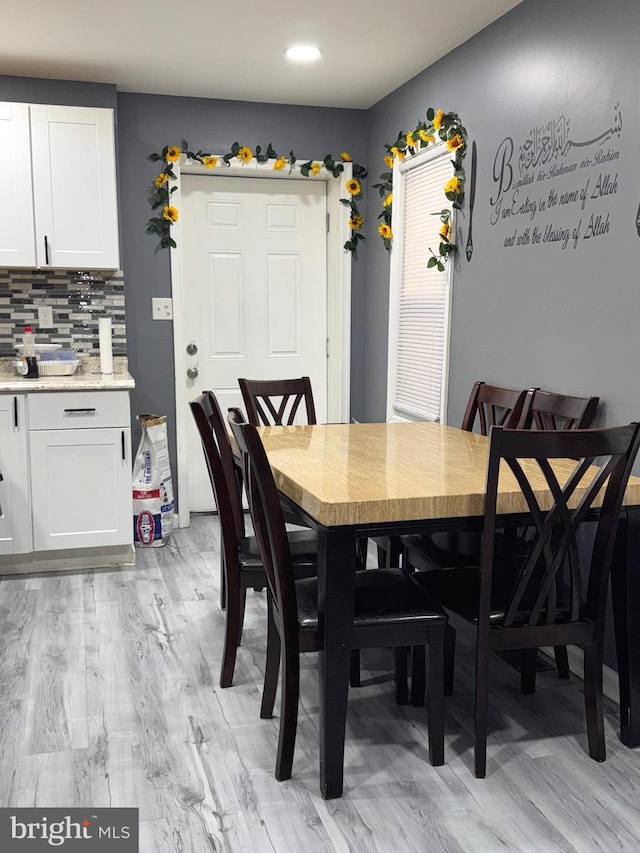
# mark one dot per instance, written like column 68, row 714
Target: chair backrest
column 277, row 401
column 546, row 584
column 547, row 410
column 220, row 465
column 268, row 522
column 491, row 404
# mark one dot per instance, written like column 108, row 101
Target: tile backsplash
column 77, row 300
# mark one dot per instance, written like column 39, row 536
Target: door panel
column 255, row 291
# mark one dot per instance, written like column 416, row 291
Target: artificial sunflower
column 387, row 200
column 345, row 156
column 384, row 231
column 388, row 161
column 445, row 230
column 173, row 154
column 425, row 136
column 437, row 119
column 161, row 180
column 455, row 142
column 280, row 163
column 245, row 154
column 355, row 222
column 454, row 185
column 353, row 186
column 315, row 167
column 210, row 162
column 397, row 152
column 410, row 140
column 170, row 213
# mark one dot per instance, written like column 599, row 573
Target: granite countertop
column 86, row 378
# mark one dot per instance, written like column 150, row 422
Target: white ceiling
column 234, row 50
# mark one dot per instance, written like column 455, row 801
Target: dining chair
column 487, row 405
column 241, row 566
column 548, row 410
column 391, row 610
column 539, row 410
column 277, row 401
column 546, row 592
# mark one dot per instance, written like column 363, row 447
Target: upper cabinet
column 59, row 182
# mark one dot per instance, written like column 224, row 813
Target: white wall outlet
column 45, row 317
column 161, row 309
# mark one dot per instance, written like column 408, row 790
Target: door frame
column 338, row 303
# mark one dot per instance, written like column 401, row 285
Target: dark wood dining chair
column 277, row 401
column 487, row 405
column 241, row 562
column 390, row 610
column 548, row 410
column 545, row 592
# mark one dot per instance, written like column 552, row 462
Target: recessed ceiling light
column 303, row 53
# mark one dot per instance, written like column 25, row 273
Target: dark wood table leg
column 625, row 592
column 336, row 584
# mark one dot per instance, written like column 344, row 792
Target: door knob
column 192, row 372
column 192, row 349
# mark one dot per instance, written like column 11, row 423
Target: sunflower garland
column 447, row 128
column 161, row 190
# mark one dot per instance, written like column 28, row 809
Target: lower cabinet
column 15, row 509
column 65, row 458
column 80, row 459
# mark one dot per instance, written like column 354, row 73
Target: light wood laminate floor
column 109, row 696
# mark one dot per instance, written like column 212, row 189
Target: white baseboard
column 610, row 685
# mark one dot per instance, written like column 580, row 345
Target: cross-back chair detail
column 493, row 405
column 277, row 401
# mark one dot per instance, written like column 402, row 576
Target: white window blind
column 419, row 342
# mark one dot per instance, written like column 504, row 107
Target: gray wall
column 147, row 123
column 532, row 315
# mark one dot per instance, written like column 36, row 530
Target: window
column 420, row 298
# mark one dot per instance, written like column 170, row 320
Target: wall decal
column 553, row 189
column 472, row 197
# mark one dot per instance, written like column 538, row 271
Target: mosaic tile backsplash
column 77, row 299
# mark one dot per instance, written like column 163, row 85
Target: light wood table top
column 344, row 474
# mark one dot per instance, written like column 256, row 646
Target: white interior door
column 255, row 292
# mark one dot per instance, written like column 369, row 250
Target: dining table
column 354, row 481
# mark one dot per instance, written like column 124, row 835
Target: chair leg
column 528, row 666
column 562, row 661
column 232, row 632
column 354, row 668
column 401, row 660
column 481, row 708
column 362, row 550
column 449, row 658
column 593, row 701
column 435, row 696
column 271, row 667
column 290, row 691
column 223, row 583
column 418, row 668
column 382, row 557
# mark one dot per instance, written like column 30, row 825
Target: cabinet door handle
column 124, row 446
column 15, row 412
column 76, row 411
column 46, row 250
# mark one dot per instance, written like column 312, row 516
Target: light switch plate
column 161, row 308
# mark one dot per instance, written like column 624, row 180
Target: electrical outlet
column 161, row 309
column 45, row 316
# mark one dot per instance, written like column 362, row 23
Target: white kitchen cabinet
column 66, row 203
column 15, row 515
column 80, row 460
column 17, row 234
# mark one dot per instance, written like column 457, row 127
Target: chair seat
column 303, row 545
column 381, row 596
